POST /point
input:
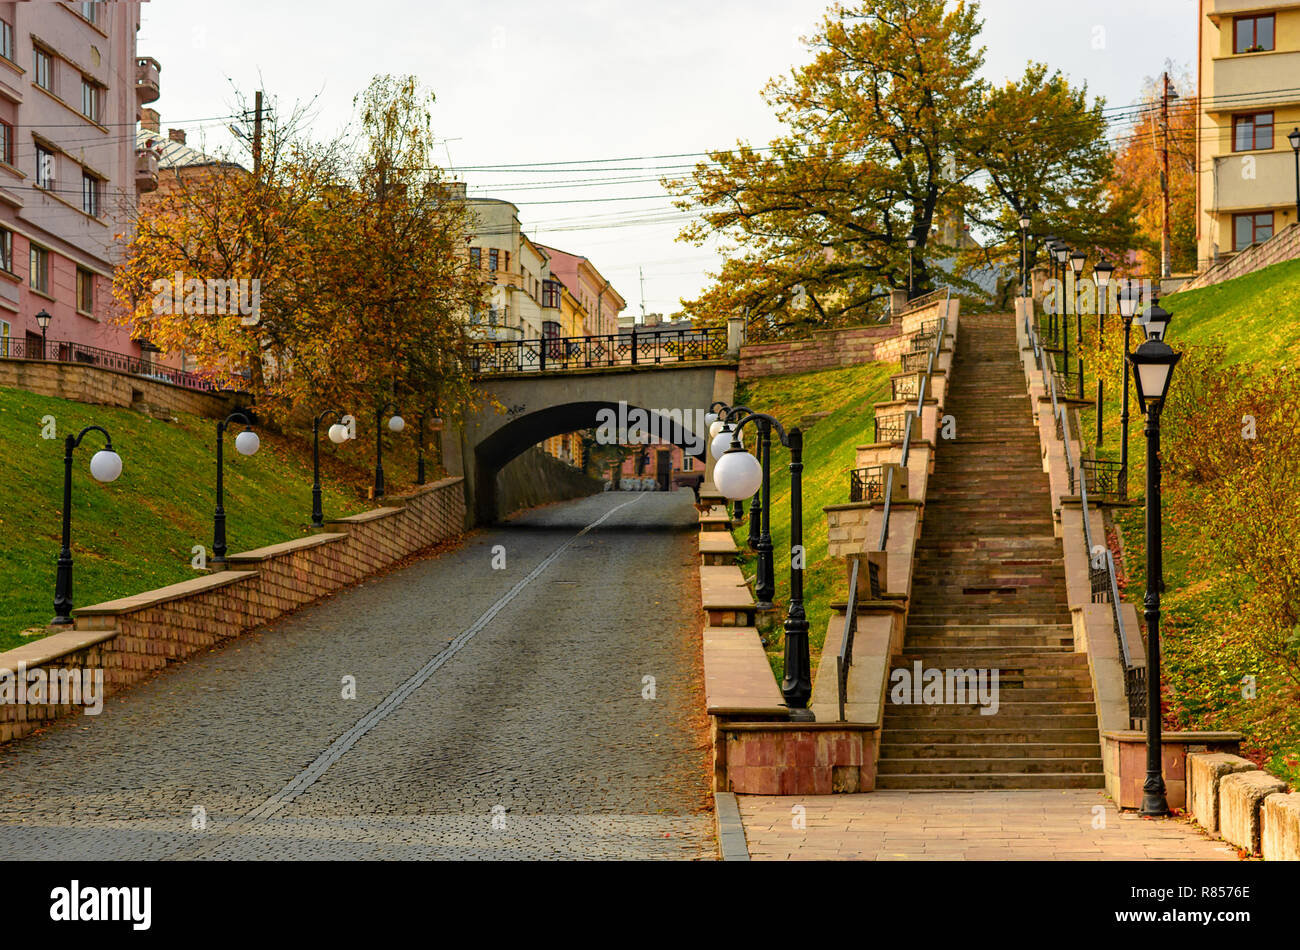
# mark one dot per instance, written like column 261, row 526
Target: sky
column 591, row 101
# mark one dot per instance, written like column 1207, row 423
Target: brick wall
column 1283, row 246
column 831, row 349
column 131, row 638
column 106, row 387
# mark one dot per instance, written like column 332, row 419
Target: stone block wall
column 106, row 387
column 1283, row 246
column 134, row 637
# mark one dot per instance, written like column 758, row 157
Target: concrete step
column 1007, row 708
column 991, row 780
column 999, row 733
column 1032, row 766
column 995, row 750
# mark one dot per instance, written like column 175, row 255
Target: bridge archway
column 539, row 406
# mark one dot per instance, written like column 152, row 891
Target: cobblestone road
column 498, row 714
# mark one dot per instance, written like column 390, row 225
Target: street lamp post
column 1128, row 298
column 1153, row 366
column 43, row 318
column 1101, row 272
column 396, row 424
column 246, row 443
column 1049, row 245
column 738, row 475
column 1024, row 255
column 1062, row 254
column 760, row 508
column 1294, row 139
column 105, row 466
column 338, row 434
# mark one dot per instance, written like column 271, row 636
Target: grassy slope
column 849, row 396
column 136, row 533
column 1254, row 318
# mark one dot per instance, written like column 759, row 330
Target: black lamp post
column 1049, row 245
column 43, row 318
column 1101, row 272
column 396, row 424
column 1024, row 254
column 1294, row 139
column 760, row 511
column 738, row 475
column 1077, row 260
column 338, row 434
column 1128, row 300
column 1153, row 366
column 105, row 466
column 246, row 443
column 1062, row 254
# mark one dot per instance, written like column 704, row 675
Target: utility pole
column 1164, row 176
column 641, row 270
column 257, row 136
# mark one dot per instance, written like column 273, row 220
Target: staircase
column 988, row 592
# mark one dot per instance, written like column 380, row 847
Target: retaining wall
column 107, row 387
column 131, row 638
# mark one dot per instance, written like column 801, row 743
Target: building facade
column 596, row 295
column 1248, row 64
column 71, row 88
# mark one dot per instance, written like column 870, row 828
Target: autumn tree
column 358, row 246
column 820, row 217
column 1045, row 151
column 1138, row 169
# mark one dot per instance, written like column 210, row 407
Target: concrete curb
column 731, row 832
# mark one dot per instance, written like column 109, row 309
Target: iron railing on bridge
column 63, row 351
column 1103, row 581
column 635, row 348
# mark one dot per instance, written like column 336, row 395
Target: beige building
column 1248, row 81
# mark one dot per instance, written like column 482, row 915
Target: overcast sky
column 583, row 81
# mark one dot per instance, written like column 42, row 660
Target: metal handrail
column 68, row 351
column 845, row 657
column 1133, row 675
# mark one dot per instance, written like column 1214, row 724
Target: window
column 6, row 142
column 506, row 266
column 90, row 11
column 551, row 293
column 1248, row 229
column 1252, row 34
column 1252, row 131
column 44, row 167
column 6, row 40
column 89, row 100
column 39, row 277
column 7, row 250
column 688, row 463
column 42, row 68
column 90, row 194
column 493, row 258
column 476, row 257
column 85, row 291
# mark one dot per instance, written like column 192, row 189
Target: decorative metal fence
column 867, row 484
column 492, row 357
column 63, row 351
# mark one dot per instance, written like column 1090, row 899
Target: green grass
column 136, row 533
column 1254, row 318
column 849, row 396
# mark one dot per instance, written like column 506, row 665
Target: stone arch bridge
column 539, row 404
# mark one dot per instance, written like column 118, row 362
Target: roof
column 175, row 154
column 565, row 266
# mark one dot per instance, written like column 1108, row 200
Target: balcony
column 146, row 169
column 146, row 79
column 1238, row 83
column 1270, row 183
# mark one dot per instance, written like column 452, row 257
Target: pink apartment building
column 601, row 301
column 71, row 88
